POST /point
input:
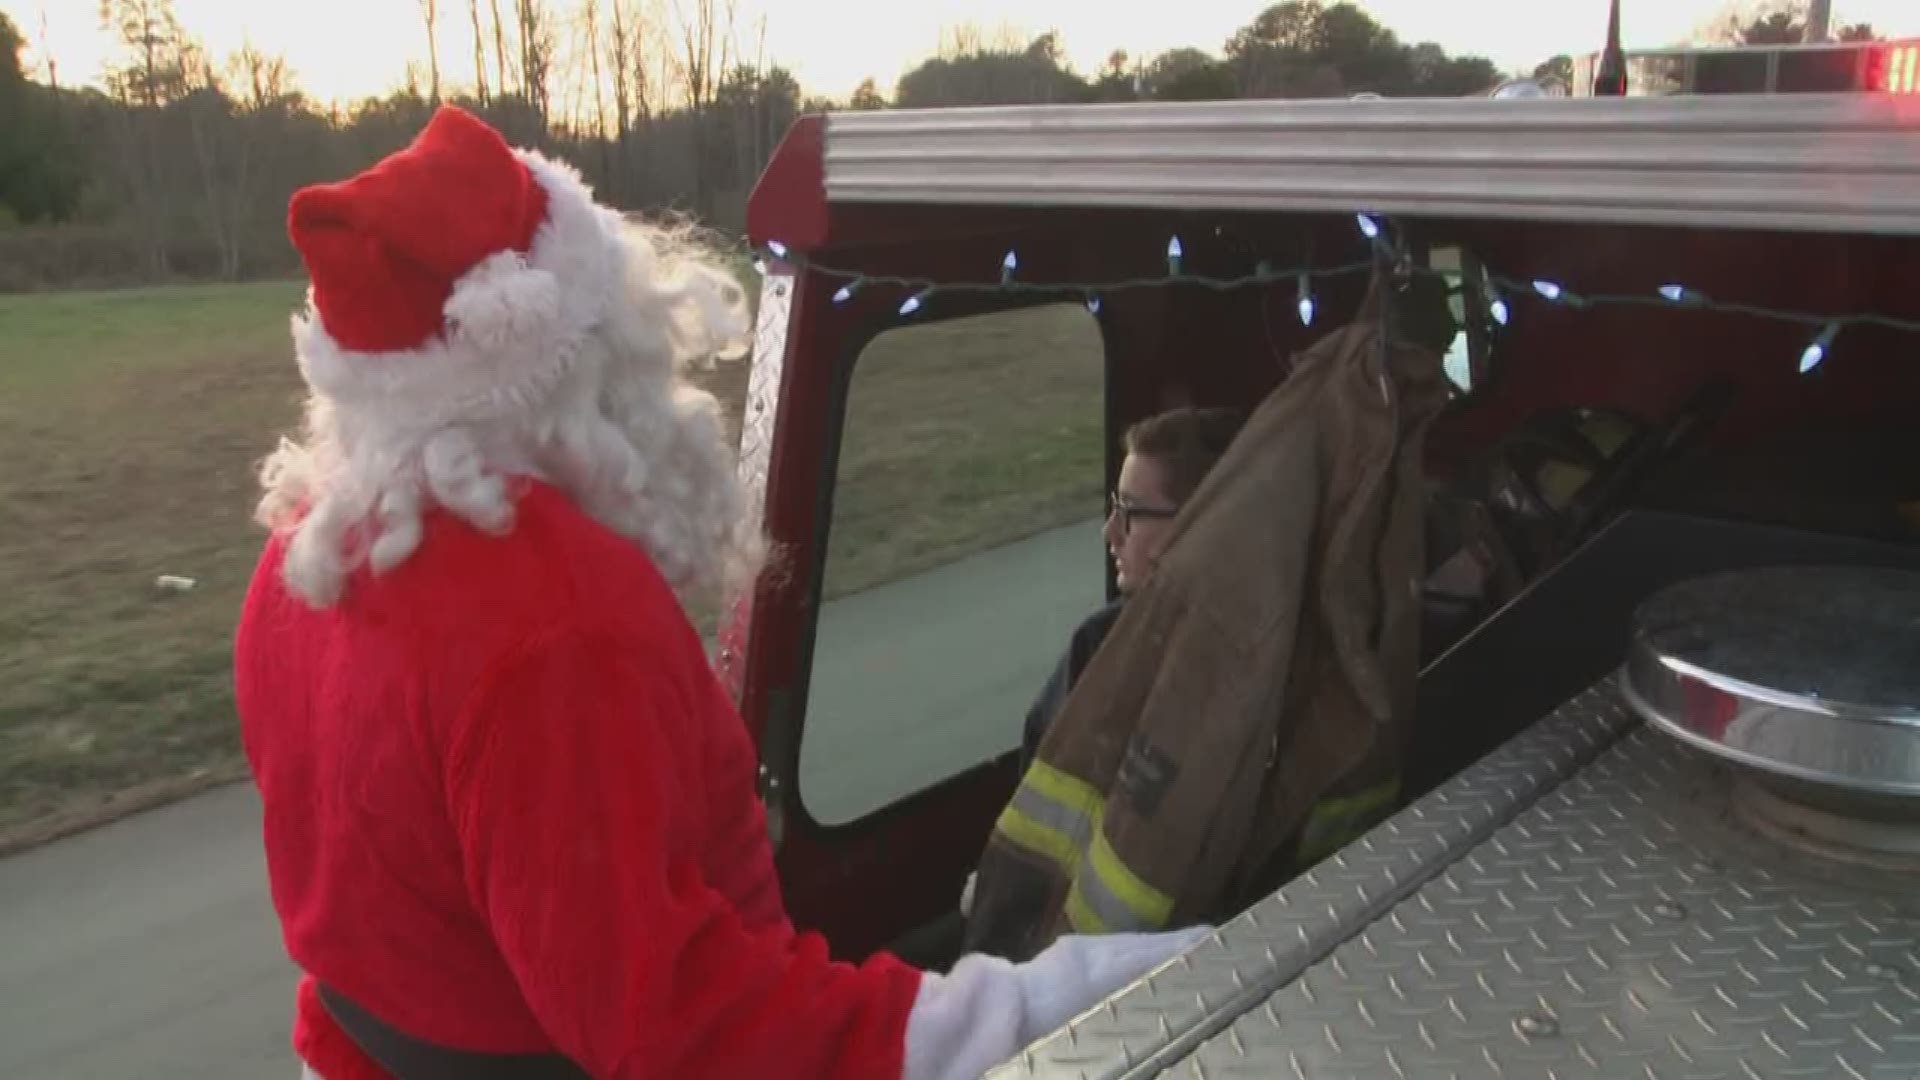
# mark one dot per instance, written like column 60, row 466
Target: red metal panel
column 1647, row 361
column 865, row 884
column 789, row 203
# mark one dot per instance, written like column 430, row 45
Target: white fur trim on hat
column 513, row 323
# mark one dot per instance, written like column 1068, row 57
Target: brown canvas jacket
column 1249, row 709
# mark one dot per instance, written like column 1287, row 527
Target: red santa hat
column 453, row 280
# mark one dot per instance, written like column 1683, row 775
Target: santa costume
column 510, row 817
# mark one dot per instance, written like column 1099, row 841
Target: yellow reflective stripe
column 1336, row 822
column 1371, row 799
column 1559, row 482
column 1071, row 792
column 1052, row 814
column 1081, row 918
column 1118, row 898
column 1042, row 839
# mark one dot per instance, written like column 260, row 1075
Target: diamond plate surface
column 757, row 414
column 1162, row 1017
column 1624, row 926
column 763, row 387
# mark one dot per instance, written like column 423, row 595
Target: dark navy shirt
column 1053, row 696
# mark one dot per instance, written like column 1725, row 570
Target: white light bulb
column 1093, row 305
column 1498, row 308
column 913, row 302
column 1306, row 301
column 1173, row 248
column 779, row 249
column 845, row 294
column 1368, row 227
column 1816, row 353
column 1548, row 289
column 1675, row 293
column 1008, row 265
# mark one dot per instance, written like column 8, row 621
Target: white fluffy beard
column 655, row 467
column 623, row 433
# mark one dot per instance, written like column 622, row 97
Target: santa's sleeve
column 581, row 843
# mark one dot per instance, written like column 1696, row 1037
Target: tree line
column 180, row 165
column 1297, row 49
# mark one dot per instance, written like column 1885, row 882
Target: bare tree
column 958, row 41
column 144, row 170
column 1775, row 22
column 971, row 39
column 151, row 34
column 431, row 9
column 704, row 52
column 143, row 188
column 223, row 157
column 642, row 47
column 867, row 97
column 757, row 148
column 265, row 79
column 617, row 60
column 500, row 49
column 706, row 49
column 46, row 53
column 592, row 14
column 536, row 57
column 568, row 77
column 479, row 54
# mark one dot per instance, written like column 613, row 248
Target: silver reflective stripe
column 1114, row 916
column 1069, row 823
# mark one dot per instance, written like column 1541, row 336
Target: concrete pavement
column 147, row 950
column 918, row 680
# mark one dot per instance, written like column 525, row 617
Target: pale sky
column 347, row 49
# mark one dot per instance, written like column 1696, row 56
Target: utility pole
column 46, row 54
column 1610, row 76
column 1819, row 21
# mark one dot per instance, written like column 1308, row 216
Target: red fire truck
column 1876, row 67
column 1661, row 811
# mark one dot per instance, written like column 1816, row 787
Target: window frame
column 845, row 368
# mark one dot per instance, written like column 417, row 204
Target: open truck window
column 1469, row 356
column 962, row 549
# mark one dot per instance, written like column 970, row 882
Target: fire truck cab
column 963, row 310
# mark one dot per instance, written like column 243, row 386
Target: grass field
column 965, row 435
column 130, row 424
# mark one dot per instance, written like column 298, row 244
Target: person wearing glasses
column 1168, row 455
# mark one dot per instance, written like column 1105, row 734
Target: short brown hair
column 1185, row 442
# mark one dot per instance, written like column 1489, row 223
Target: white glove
column 987, row 1009
column 1078, row 971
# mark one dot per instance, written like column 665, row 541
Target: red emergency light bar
column 1897, row 70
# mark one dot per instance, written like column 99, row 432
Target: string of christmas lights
column 1497, row 289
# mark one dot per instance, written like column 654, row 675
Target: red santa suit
column 508, row 807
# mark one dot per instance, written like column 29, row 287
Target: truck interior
column 1599, row 450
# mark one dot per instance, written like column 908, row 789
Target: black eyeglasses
column 1118, row 506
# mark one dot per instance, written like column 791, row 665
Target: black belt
column 408, row 1058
